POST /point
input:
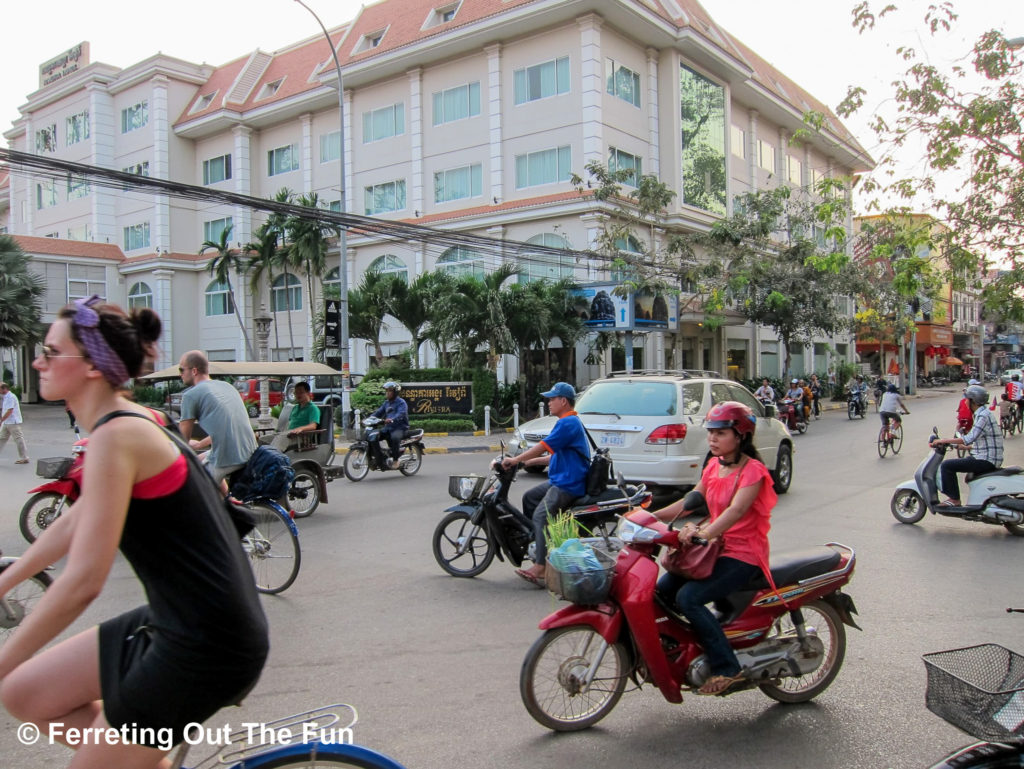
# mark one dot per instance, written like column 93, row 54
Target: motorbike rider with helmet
column 740, row 496
column 395, row 412
column 985, row 440
column 859, row 390
column 1015, row 392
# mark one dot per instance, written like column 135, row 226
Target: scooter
column 50, row 499
column 790, row 642
column 791, row 414
column 996, row 497
column 367, row 454
column 485, row 524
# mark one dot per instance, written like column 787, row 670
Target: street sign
column 332, row 323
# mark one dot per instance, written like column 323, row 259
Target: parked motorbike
column 368, row 453
column 855, row 405
column 980, row 690
column 50, row 499
column 575, row 673
column 485, row 524
column 995, row 498
column 791, row 414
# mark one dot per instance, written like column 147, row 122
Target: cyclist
column 201, row 640
column 1015, row 393
column 395, row 412
column 891, row 401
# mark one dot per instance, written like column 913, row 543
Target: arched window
column 543, row 266
column 628, row 247
column 331, row 280
column 286, row 293
column 218, row 300
column 459, row 261
column 390, row 264
column 140, row 295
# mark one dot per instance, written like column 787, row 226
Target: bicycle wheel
column 1018, row 423
column 883, row 442
column 896, row 438
column 272, row 547
column 317, row 754
column 19, row 601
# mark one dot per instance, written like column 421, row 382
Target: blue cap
column 561, row 390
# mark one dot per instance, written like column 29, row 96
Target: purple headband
column 87, row 322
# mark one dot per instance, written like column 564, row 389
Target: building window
column 285, row 293
column 461, row 261
column 389, row 264
column 738, row 142
column 46, row 139
column 334, row 205
column 46, row 194
column 139, row 169
column 77, row 188
column 269, row 89
column 457, row 103
column 212, row 230
column 702, row 120
column 136, row 236
column 541, row 80
column 545, row 167
column 282, row 160
column 384, row 123
column 630, row 250
column 217, row 169
column 140, row 295
column 545, row 266
column 203, row 102
column 622, row 82
column 78, row 128
column 380, row 198
column 795, row 170
column 619, row 160
column 53, row 235
column 85, row 281
column 766, row 155
column 332, row 282
column 218, row 299
column 330, row 146
column 81, row 232
column 458, row 183
column 134, row 117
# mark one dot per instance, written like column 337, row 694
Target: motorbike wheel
column 1015, row 529
column 551, row 682
column 40, row 511
column 20, row 600
column 783, row 469
column 801, row 427
column 851, row 409
column 907, row 506
column 823, row 618
column 415, row 462
column 357, row 463
column 454, row 529
column 304, row 494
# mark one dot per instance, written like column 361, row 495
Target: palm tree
column 262, row 253
column 20, row 293
column 220, row 266
column 367, row 306
column 308, row 248
column 529, row 321
column 473, row 314
column 410, row 304
column 278, row 224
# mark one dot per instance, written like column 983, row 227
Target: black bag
column 268, row 473
column 600, row 471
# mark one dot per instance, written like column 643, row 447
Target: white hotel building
column 465, row 115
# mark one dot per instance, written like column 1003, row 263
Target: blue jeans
column 950, row 467
column 728, row 576
column 539, row 502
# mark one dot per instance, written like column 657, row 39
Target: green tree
column 263, row 258
column 21, row 294
column 307, row 250
column 223, row 262
column 367, row 306
column 410, row 304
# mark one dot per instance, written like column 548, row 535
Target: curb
column 342, row 450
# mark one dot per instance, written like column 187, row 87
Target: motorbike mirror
column 620, row 479
column 693, row 501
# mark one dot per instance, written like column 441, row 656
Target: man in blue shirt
column 395, row 412
column 567, row 471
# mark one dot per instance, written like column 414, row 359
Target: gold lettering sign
column 63, row 65
column 439, row 397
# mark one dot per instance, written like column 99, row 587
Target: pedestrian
column 816, row 395
column 10, row 423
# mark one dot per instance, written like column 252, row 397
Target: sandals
column 717, row 685
column 535, row 581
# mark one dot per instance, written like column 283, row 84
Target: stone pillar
column 160, row 233
column 591, row 87
column 496, row 192
column 653, row 128
column 162, row 303
column 415, row 201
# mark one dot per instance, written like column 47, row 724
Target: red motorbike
column 50, row 499
column 790, row 642
column 791, row 414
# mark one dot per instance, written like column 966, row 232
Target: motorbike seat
column 1000, row 471
column 791, row 567
column 413, row 435
column 611, row 494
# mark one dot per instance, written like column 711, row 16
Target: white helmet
column 392, row 385
column 976, row 394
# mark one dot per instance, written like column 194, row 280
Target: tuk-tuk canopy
column 281, row 369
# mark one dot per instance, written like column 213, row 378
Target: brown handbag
column 692, row 561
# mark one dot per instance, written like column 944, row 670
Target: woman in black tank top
column 201, row 641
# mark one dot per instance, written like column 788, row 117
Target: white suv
column 653, row 424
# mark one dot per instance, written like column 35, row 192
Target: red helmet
column 731, row 414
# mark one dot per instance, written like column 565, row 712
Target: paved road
column 432, row 662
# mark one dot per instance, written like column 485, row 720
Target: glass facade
column 702, row 122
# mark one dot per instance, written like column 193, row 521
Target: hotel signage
column 67, row 63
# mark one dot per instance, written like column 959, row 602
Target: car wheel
column 783, row 474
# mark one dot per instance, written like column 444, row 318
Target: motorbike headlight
column 634, row 532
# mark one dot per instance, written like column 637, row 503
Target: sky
column 811, row 41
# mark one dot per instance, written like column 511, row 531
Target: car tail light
column 667, row 434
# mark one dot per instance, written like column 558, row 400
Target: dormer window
column 203, row 102
column 269, row 89
column 441, row 15
column 370, row 40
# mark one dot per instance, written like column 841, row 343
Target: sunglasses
column 49, row 353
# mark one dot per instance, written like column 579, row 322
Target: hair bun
column 148, row 324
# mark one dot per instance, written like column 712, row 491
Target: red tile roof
column 220, row 83
column 510, row 205
column 80, row 248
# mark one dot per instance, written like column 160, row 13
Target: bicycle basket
column 978, row 689
column 53, row 467
column 465, row 487
column 581, row 585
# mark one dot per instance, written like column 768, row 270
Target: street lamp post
column 262, row 321
column 343, row 236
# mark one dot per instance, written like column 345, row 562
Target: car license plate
column 612, row 439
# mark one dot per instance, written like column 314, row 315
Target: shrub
column 464, row 425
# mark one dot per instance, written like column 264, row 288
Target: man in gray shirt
column 220, row 411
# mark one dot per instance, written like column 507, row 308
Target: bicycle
column 272, row 546
column 890, row 438
column 20, row 599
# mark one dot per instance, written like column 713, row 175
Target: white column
column 242, row 172
column 592, row 224
column 306, row 121
column 347, row 149
column 591, row 87
column 102, row 135
column 162, row 306
column 28, row 182
column 653, row 129
column 752, row 149
column 496, row 189
column 160, row 234
column 782, row 159
column 415, row 202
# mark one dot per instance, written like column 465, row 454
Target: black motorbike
column 368, row 453
column 485, row 524
column 856, row 405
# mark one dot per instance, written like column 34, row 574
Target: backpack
column 268, row 473
column 600, row 471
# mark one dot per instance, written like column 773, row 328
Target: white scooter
column 996, row 497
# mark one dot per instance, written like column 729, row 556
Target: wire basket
column 978, row 689
column 465, row 487
column 585, row 587
column 54, row 467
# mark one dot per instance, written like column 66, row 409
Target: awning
column 282, row 369
column 951, row 361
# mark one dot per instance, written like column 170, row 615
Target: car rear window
column 641, row 399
